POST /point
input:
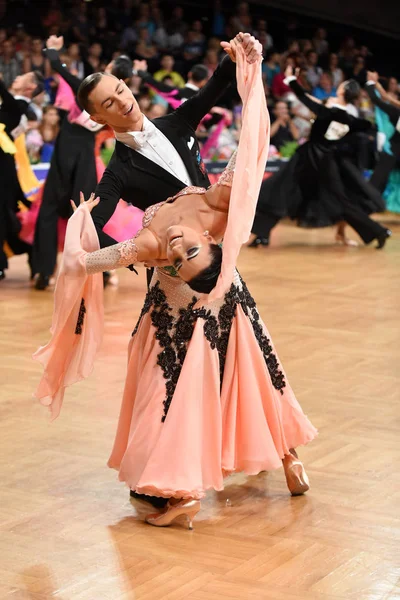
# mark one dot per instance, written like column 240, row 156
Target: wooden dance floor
column 67, row 527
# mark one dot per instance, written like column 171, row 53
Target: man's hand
column 55, row 42
column 251, row 47
column 372, row 76
column 140, row 65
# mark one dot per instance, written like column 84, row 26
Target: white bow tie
column 141, row 137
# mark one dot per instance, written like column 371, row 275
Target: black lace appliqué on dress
column 81, row 317
column 174, row 335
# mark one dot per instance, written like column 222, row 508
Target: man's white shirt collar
column 139, row 137
column 28, row 100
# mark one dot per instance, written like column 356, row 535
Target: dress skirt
column 205, row 395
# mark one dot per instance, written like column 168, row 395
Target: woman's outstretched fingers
column 74, row 207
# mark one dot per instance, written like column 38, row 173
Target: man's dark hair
column 310, row 51
column 206, row 280
column 86, row 88
column 199, row 73
column 39, row 79
column 352, row 91
column 122, row 67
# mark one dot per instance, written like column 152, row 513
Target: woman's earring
column 206, row 233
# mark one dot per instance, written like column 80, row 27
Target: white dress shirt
column 154, row 145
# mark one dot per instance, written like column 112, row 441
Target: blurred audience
column 172, row 41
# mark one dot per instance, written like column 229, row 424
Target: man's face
column 112, row 103
column 24, row 84
column 325, row 82
column 8, row 49
column 313, row 58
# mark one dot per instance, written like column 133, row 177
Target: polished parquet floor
column 67, row 527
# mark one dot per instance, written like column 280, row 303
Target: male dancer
column 153, row 159
column 72, row 169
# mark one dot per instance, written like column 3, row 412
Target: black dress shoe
column 382, row 239
column 42, row 282
column 2, row 275
column 155, row 501
column 259, row 241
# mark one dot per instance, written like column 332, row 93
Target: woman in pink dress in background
column 205, row 394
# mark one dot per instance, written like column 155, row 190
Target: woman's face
column 188, row 251
column 334, row 61
column 73, row 51
column 51, row 117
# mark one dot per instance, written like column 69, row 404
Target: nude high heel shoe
column 296, row 476
column 345, row 241
column 187, row 508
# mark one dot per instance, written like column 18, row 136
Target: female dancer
column 205, row 395
column 318, row 186
column 389, row 159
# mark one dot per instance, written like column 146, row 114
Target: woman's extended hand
column 89, row 204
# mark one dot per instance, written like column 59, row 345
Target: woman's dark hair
column 352, row 91
column 206, row 280
column 86, row 88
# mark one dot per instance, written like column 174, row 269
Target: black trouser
column 380, row 176
column 263, row 223
column 66, row 178
column 367, row 228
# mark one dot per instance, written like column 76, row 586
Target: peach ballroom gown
column 205, row 393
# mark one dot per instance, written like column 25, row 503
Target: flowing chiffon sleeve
column 249, row 169
column 77, row 325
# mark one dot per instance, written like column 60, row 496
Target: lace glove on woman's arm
column 78, row 258
column 123, row 254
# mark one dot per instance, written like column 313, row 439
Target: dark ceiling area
column 380, row 17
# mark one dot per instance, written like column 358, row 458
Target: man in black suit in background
column 197, row 79
column 14, row 104
column 153, row 160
